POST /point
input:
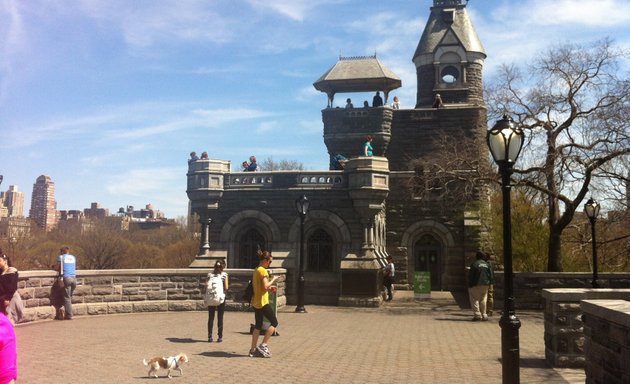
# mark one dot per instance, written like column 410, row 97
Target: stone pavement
column 404, row 341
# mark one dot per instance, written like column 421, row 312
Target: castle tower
column 449, row 57
column 345, row 129
column 43, row 206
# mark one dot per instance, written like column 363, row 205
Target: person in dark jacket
column 480, row 277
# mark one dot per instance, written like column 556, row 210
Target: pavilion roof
column 357, row 74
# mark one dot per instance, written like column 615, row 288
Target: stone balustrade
column 607, row 343
column 102, row 292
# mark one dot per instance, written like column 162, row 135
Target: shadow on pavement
column 186, row 340
column 221, row 354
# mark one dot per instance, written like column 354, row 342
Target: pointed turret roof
column 449, row 17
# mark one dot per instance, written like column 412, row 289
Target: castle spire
column 449, row 57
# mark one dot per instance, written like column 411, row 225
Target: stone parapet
column 607, row 341
column 564, row 327
column 528, row 286
column 103, row 292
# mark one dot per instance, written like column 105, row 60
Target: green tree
column 529, row 231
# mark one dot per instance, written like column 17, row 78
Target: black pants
column 221, row 309
column 387, row 282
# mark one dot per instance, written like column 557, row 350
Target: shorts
column 267, row 312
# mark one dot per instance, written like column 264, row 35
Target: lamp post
column 505, row 141
column 301, row 204
column 591, row 208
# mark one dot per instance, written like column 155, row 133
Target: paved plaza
column 404, row 341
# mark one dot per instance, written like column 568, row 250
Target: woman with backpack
column 215, row 298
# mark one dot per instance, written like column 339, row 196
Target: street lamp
column 592, row 211
column 301, row 204
column 505, row 141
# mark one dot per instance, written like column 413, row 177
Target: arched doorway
column 249, row 243
column 427, row 257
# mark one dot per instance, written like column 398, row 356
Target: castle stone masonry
column 375, row 206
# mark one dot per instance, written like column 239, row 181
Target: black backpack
column 249, row 292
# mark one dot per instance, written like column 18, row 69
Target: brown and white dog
column 168, row 363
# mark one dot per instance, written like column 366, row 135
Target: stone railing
column 564, row 326
column 101, row 292
column 607, row 344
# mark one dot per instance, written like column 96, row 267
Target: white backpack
column 214, row 291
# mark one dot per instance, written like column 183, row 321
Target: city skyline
column 12, row 203
column 108, row 98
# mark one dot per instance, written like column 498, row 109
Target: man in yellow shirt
column 260, row 301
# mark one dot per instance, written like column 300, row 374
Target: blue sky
column 108, row 97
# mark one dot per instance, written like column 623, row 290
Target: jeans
column 221, row 309
column 387, row 282
column 69, row 284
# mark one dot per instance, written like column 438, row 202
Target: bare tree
column 574, row 107
column 269, row 164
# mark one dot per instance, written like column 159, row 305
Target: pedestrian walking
column 490, row 302
column 388, row 277
column 215, row 299
column 260, row 301
column 479, row 279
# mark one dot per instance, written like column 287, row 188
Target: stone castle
column 374, row 206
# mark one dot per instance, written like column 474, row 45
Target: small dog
column 169, row 363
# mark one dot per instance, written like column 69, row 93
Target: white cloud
column 148, row 23
column 294, row 9
column 267, row 126
column 144, row 181
column 12, row 42
column 593, row 13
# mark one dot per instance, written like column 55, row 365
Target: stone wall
column 607, row 344
column 564, row 326
column 102, row 292
column 528, row 286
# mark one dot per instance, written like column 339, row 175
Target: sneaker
column 253, row 352
column 476, row 318
column 484, row 318
column 220, row 339
column 263, row 350
column 210, row 340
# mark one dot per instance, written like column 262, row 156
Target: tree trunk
column 554, row 255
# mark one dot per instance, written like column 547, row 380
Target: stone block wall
column 564, row 326
column 102, row 292
column 607, row 342
column 529, row 286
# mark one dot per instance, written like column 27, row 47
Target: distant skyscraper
column 43, row 207
column 14, row 200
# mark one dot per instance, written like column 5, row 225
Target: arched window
column 320, row 252
column 249, row 244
